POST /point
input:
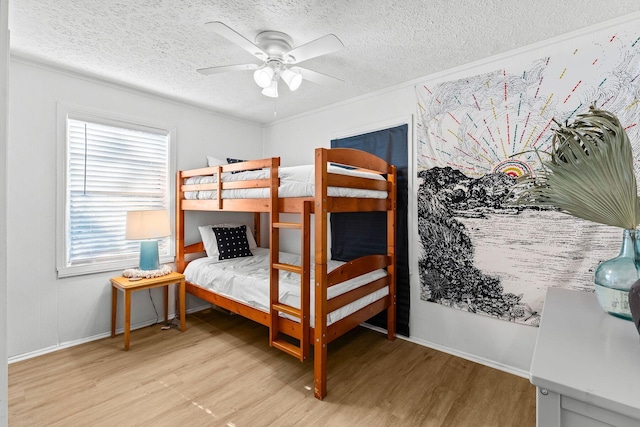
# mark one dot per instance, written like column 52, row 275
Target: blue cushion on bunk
column 338, row 165
column 232, row 242
column 232, row 161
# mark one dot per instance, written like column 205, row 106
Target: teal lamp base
column 149, row 259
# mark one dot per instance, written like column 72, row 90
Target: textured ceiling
column 158, row 44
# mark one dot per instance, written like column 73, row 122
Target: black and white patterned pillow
column 232, row 242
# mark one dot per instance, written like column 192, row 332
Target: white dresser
column 586, row 364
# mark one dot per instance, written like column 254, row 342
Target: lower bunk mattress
column 246, row 280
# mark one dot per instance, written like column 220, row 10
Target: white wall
column 45, row 312
column 491, row 341
column 497, row 343
column 4, row 56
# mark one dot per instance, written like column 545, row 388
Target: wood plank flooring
column 222, row 372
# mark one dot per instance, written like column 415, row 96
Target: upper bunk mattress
column 247, row 280
column 295, row 181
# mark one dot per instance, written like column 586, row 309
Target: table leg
column 166, row 303
column 114, row 308
column 127, row 318
column 183, row 313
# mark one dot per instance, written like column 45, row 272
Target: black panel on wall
column 351, row 233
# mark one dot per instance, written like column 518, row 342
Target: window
column 111, row 167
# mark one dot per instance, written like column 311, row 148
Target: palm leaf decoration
column 590, row 174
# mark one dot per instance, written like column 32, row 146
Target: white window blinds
column 110, row 171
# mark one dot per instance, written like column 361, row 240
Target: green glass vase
column 614, row 277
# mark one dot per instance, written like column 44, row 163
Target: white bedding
column 247, row 280
column 295, row 181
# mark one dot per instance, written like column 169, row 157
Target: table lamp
column 148, row 226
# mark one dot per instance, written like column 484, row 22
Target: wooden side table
column 128, row 286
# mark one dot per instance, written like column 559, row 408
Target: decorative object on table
column 634, row 304
column 147, row 274
column 148, row 226
column 614, row 277
column 591, row 176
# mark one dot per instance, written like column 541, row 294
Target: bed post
column 274, row 250
column 256, row 227
column 179, row 224
column 391, row 253
column 320, row 327
column 305, row 279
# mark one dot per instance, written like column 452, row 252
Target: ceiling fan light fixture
column 277, row 52
column 263, row 76
column 271, row 90
column 293, row 79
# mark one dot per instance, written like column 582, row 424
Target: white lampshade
column 147, row 225
column 293, row 79
column 263, row 76
column 271, row 90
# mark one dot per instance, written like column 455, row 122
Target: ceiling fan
column 278, row 56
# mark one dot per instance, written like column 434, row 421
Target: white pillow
column 212, row 161
column 211, row 244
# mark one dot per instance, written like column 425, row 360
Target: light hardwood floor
column 222, row 372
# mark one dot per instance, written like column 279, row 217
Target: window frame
column 65, row 112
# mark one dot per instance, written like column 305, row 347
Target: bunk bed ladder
column 299, row 328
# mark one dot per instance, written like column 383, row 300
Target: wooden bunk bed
column 319, row 205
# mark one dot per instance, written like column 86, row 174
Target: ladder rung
column 283, row 308
column 287, row 348
column 287, row 225
column 288, row 267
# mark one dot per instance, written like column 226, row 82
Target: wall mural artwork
column 476, row 135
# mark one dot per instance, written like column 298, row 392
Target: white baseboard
column 61, row 346
column 457, row 353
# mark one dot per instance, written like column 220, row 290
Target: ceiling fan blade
column 225, row 68
column 316, row 77
column 233, row 36
column 318, row 47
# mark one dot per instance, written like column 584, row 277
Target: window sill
column 94, row 268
